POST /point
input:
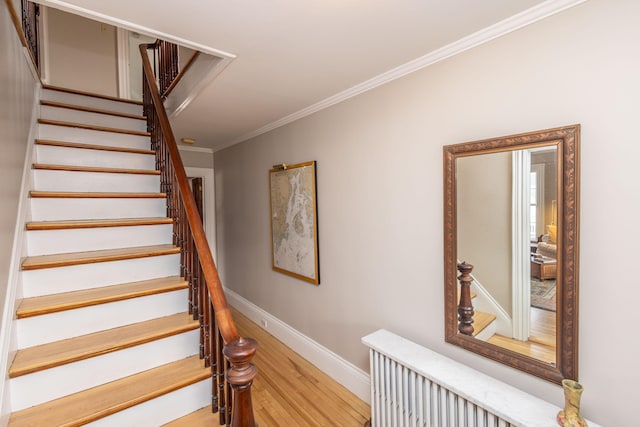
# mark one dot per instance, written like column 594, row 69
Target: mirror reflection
column 511, row 250
column 507, row 229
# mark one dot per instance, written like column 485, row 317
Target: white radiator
column 414, row 386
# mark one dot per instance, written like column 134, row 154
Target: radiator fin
column 401, row 397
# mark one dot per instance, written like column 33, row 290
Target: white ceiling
column 291, row 55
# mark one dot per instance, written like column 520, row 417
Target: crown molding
column 121, row 23
column 506, row 26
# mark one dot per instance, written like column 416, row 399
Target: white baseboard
column 353, row 378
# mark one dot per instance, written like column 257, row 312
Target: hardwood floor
column 288, row 390
column 542, row 340
column 543, row 326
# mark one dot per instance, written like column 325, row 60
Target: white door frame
column 520, row 251
column 539, row 170
column 209, row 204
column 43, row 35
column 122, row 49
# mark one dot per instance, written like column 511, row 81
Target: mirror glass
column 511, row 217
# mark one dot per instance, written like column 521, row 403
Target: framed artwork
column 294, row 223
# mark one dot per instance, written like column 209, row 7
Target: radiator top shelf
column 407, row 378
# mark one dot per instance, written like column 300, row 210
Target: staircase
column 541, row 343
column 103, row 332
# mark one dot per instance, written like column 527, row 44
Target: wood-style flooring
column 288, row 390
column 542, row 339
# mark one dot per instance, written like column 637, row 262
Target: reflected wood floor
column 543, row 327
column 288, row 390
column 542, row 339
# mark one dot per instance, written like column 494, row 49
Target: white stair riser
column 90, row 101
column 84, row 157
column 49, row 281
column 56, row 180
column 72, row 323
column 43, row 242
column 55, row 209
column 39, row 387
column 89, row 136
column 161, row 410
column 91, row 118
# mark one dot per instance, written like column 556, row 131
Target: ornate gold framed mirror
column 511, row 207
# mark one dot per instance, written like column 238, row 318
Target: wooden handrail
column 169, row 72
column 30, row 12
column 181, row 74
column 199, row 266
column 166, row 55
column 17, row 23
column 223, row 315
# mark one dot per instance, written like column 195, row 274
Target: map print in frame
column 294, row 225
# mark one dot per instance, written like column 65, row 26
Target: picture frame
column 294, row 221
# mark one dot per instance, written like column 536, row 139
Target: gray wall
column 195, row 159
column 484, row 221
column 81, row 53
column 380, row 196
column 17, row 97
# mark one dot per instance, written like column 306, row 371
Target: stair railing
column 221, row 347
column 181, row 73
column 30, row 13
column 27, row 28
column 166, row 64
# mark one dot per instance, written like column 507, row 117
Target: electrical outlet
column 263, row 322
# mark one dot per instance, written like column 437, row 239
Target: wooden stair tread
column 54, row 303
column 93, row 147
column 51, row 355
column 91, row 110
column 88, row 257
column 91, row 94
column 95, row 223
column 98, row 402
column 70, row 168
column 481, row 320
column 95, row 195
column 92, row 127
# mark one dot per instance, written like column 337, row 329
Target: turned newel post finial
column 240, row 377
column 465, row 309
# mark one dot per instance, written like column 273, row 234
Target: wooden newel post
column 465, row 309
column 240, row 377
